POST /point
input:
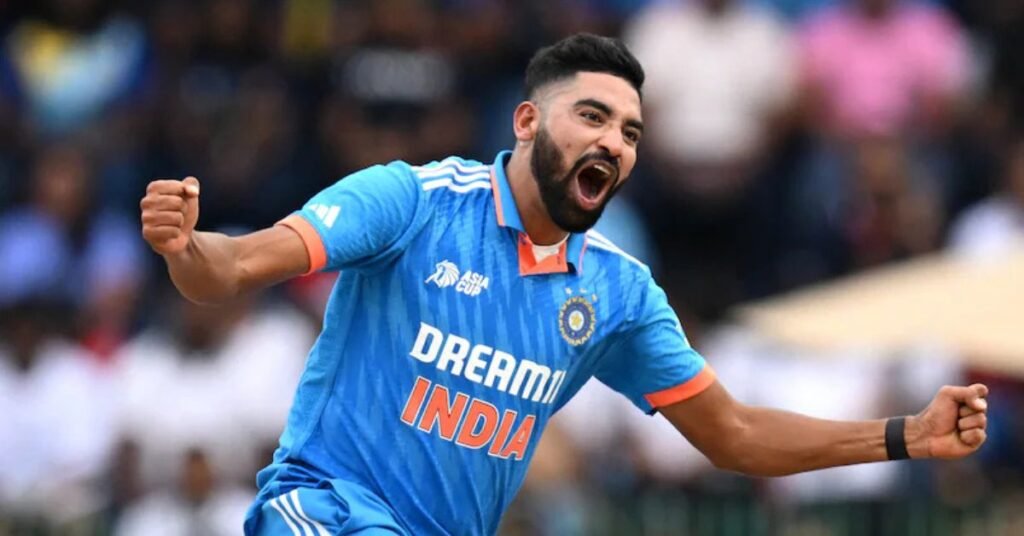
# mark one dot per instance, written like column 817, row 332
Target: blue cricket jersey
column 446, row 346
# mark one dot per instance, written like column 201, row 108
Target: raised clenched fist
column 953, row 425
column 169, row 213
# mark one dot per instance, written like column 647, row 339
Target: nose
column 612, row 142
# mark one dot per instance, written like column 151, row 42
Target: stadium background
column 789, row 143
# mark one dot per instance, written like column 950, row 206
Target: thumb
column 191, row 203
column 191, row 187
column 973, row 396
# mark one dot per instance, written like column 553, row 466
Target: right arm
column 769, row 442
column 213, row 267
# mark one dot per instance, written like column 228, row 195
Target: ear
column 526, row 121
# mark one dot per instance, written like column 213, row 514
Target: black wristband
column 895, row 443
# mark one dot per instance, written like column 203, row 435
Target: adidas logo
column 327, row 214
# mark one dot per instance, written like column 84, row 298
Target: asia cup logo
column 445, row 274
column 576, row 320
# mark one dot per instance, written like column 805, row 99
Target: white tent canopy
column 974, row 306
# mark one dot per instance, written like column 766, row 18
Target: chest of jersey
column 466, row 273
column 487, row 347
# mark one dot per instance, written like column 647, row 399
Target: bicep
column 712, row 421
column 270, row 256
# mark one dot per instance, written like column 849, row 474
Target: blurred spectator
column 252, row 159
column 895, row 212
column 883, row 68
column 392, row 91
column 1007, row 20
column 720, row 75
column 220, row 379
column 996, row 224
column 71, row 59
column 882, row 84
column 720, row 83
column 199, row 504
column 66, row 245
column 236, row 132
column 56, row 419
column 999, row 32
column 226, row 114
column 123, row 482
column 306, row 30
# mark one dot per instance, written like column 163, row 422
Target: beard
column 556, row 187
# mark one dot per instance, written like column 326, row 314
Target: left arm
column 769, row 442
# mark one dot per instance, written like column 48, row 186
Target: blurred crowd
column 789, row 142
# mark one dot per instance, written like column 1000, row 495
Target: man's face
column 585, row 146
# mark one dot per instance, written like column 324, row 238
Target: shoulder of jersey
column 453, row 174
column 605, row 251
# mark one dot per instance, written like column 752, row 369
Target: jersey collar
column 570, row 255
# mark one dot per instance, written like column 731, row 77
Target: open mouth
column 594, row 180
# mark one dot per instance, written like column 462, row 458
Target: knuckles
column 162, row 202
column 162, row 213
column 167, row 186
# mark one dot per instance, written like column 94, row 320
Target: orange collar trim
column 551, row 264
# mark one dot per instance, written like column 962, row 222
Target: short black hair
column 582, row 52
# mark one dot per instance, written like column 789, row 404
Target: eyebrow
column 607, row 110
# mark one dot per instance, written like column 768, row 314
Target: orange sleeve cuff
column 311, row 238
column 689, row 389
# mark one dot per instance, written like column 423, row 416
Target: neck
column 537, row 222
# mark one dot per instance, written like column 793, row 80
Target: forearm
column 207, row 270
column 773, row 443
column 212, row 267
column 768, row 442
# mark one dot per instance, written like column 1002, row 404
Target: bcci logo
column 576, row 320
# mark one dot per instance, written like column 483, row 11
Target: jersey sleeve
column 363, row 220
column 651, row 362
